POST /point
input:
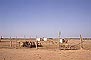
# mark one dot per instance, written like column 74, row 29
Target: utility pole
column 16, row 42
column 36, row 43
column 81, row 40
column 10, row 42
column 59, row 38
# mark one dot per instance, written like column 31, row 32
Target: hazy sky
column 45, row 18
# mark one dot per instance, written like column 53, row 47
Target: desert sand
column 41, row 54
column 48, row 53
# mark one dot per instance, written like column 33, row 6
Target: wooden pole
column 36, row 42
column 59, row 39
column 16, row 42
column 81, row 39
column 10, row 42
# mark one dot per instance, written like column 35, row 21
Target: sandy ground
column 41, row 54
column 51, row 52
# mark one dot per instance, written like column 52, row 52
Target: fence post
column 16, row 42
column 36, row 42
column 81, row 39
column 36, row 45
column 10, row 42
column 59, row 39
